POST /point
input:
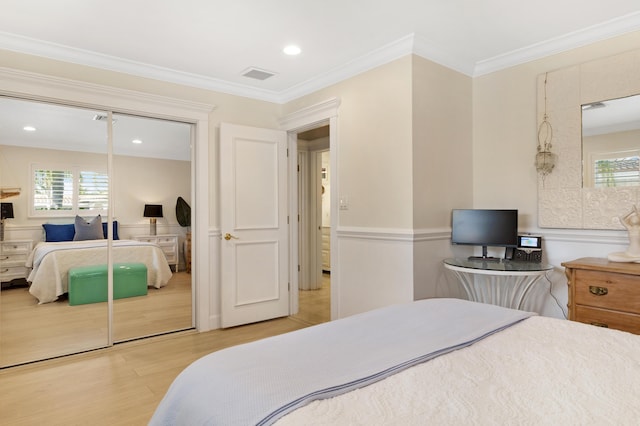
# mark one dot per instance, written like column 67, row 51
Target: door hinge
column 288, row 286
column 287, row 220
column 287, row 152
column 298, row 167
column 298, row 268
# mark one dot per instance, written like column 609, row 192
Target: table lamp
column 152, row 211
column 6, row 212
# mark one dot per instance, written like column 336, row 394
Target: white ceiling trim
column 60, row 52
column 603, row 31
column 381, row 56
column 411, row 43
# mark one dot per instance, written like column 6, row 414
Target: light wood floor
column 31, row 332
column 123, row 385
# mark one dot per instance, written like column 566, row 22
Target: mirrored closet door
column 53, row 170
column 151, row 171
column 71, row 195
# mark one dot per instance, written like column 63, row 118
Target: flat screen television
column 485, row 228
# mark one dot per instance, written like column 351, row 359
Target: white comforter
column 51, row 263
column 541, row 371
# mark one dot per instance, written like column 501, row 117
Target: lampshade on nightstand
column 152, row 211
column 6, row 212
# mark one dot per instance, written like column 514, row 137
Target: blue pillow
column 115, row 230
column 91, row 230
column 55, row 233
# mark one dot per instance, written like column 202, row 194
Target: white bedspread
column 541, row 371
column 51, row 263
column 259, row 382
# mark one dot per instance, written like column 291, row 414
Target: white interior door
column 253, row 218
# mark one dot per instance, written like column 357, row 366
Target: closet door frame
column 39, row 87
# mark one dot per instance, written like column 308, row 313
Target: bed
column 51, row 261
column 434, row 361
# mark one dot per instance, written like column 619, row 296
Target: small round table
column 505, row 282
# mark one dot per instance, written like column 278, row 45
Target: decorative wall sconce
column 545, row 159
column 6, row 212
column 152, row 211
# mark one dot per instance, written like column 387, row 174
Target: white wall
column 137, row 181
column 504, row 148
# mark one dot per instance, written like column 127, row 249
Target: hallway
column 315, row 305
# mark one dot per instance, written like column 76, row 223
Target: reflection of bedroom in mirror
column 54, row 299
column 611, row 143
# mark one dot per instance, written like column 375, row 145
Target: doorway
column 314, row 207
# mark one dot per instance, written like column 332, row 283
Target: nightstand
column 604, row 293
column 168, row 243
column 13, row 256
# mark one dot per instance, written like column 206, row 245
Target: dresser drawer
column 9, row 260
column 607, row 290
column 610, row 319
column 8, row 273
column 10, row 247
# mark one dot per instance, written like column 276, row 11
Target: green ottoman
column 88, row 284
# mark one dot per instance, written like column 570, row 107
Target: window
column 68, row 191
column 616, row 169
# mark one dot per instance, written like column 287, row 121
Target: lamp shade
column 6, row 211
column 153, row 210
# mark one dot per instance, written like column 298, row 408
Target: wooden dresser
column 604, row 293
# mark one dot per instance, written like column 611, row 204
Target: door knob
column 228, row 236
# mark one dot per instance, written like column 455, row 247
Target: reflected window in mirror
column 611, row 143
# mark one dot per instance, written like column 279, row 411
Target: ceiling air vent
column 257, row 73
column 102, row 117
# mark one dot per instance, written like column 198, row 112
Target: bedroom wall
column 404, row 129
column 442, row 169
column 374, row 161
column 136, row 181
column 504, row 140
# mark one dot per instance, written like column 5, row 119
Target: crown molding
column 385, row 54
column 60, row 52
column 573, row 40
column 409, row 44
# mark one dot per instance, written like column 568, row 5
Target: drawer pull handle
column 4, row 270
column 598, row 291
column 5, row 258
column 600, row 324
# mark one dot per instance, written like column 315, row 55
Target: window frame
column 611, row 156
column 75, row 170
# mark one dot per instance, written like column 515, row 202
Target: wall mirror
column 149, row 162
column 571, row 197
column 611, row 143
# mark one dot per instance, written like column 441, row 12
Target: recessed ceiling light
column 29, row 129
column 136, row 141
column 292, row 50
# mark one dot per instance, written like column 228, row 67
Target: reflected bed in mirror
column 611, row 143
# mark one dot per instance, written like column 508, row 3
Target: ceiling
column 80, row 129
column 211, row 43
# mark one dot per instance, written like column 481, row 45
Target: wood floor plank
column 123, row 385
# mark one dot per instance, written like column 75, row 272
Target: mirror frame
column 562, row 201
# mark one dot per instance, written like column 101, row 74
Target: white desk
column 504, row 283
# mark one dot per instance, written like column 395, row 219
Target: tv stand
column 503, row 282
column 484, row 256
